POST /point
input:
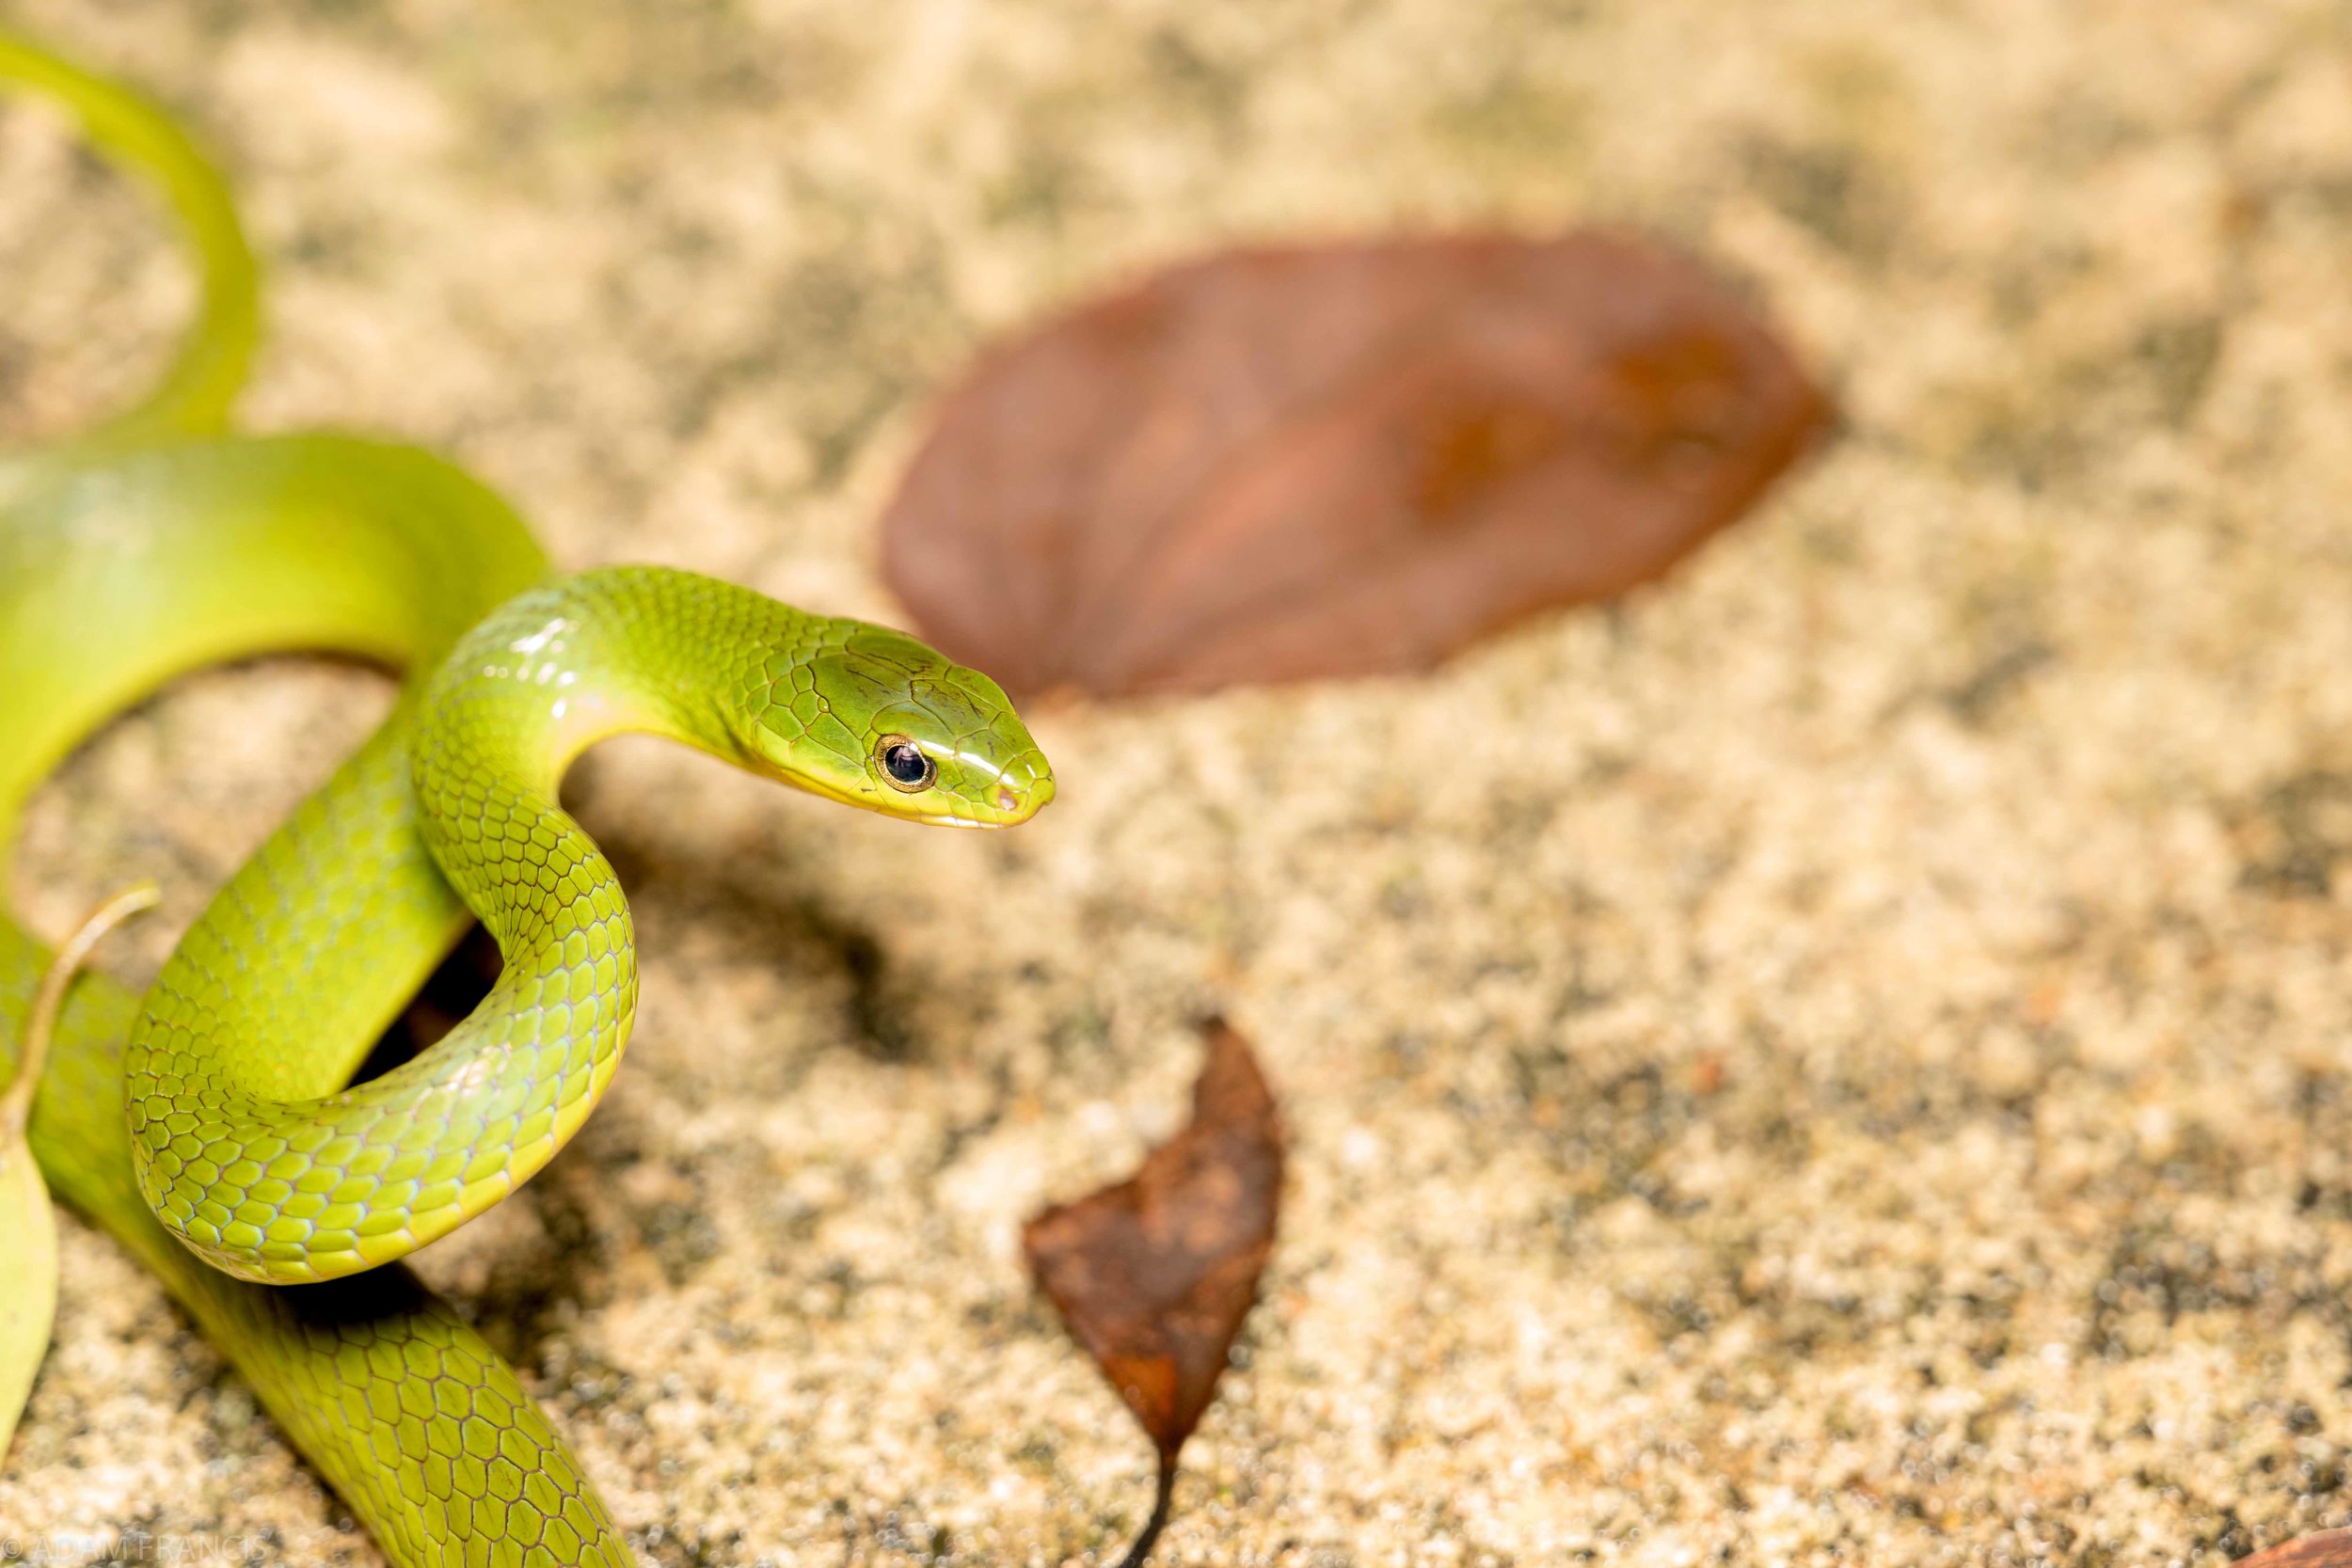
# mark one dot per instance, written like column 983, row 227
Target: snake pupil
column 906, row 764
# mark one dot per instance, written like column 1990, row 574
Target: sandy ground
column 1843, row 1058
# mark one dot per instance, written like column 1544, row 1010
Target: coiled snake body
column 211, row 1127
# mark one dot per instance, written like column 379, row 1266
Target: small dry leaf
column 28, row 1278
column 2330, row 1549
column 1154, row 1276
column 1286, row 464
column 28, row 1226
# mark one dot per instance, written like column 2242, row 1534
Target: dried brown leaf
column 1155, row 1274
column 1284, row 464
column 2330, row 1549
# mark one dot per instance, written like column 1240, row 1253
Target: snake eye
column 904, row 764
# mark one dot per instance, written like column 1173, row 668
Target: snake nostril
column 1006, row 798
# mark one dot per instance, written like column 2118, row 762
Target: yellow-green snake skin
column 211, row 1128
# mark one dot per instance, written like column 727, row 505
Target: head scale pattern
column 873, row 718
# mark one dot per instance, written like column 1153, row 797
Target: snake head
column 875, row 719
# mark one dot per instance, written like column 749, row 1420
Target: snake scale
column 212, row 1126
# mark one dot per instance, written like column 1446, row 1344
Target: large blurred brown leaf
column 1154, row 1276
column 1277, row 464
column 2330, row 1549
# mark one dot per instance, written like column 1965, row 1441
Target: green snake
column 212, row 1127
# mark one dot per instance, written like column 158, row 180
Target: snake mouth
column 1018, row 793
